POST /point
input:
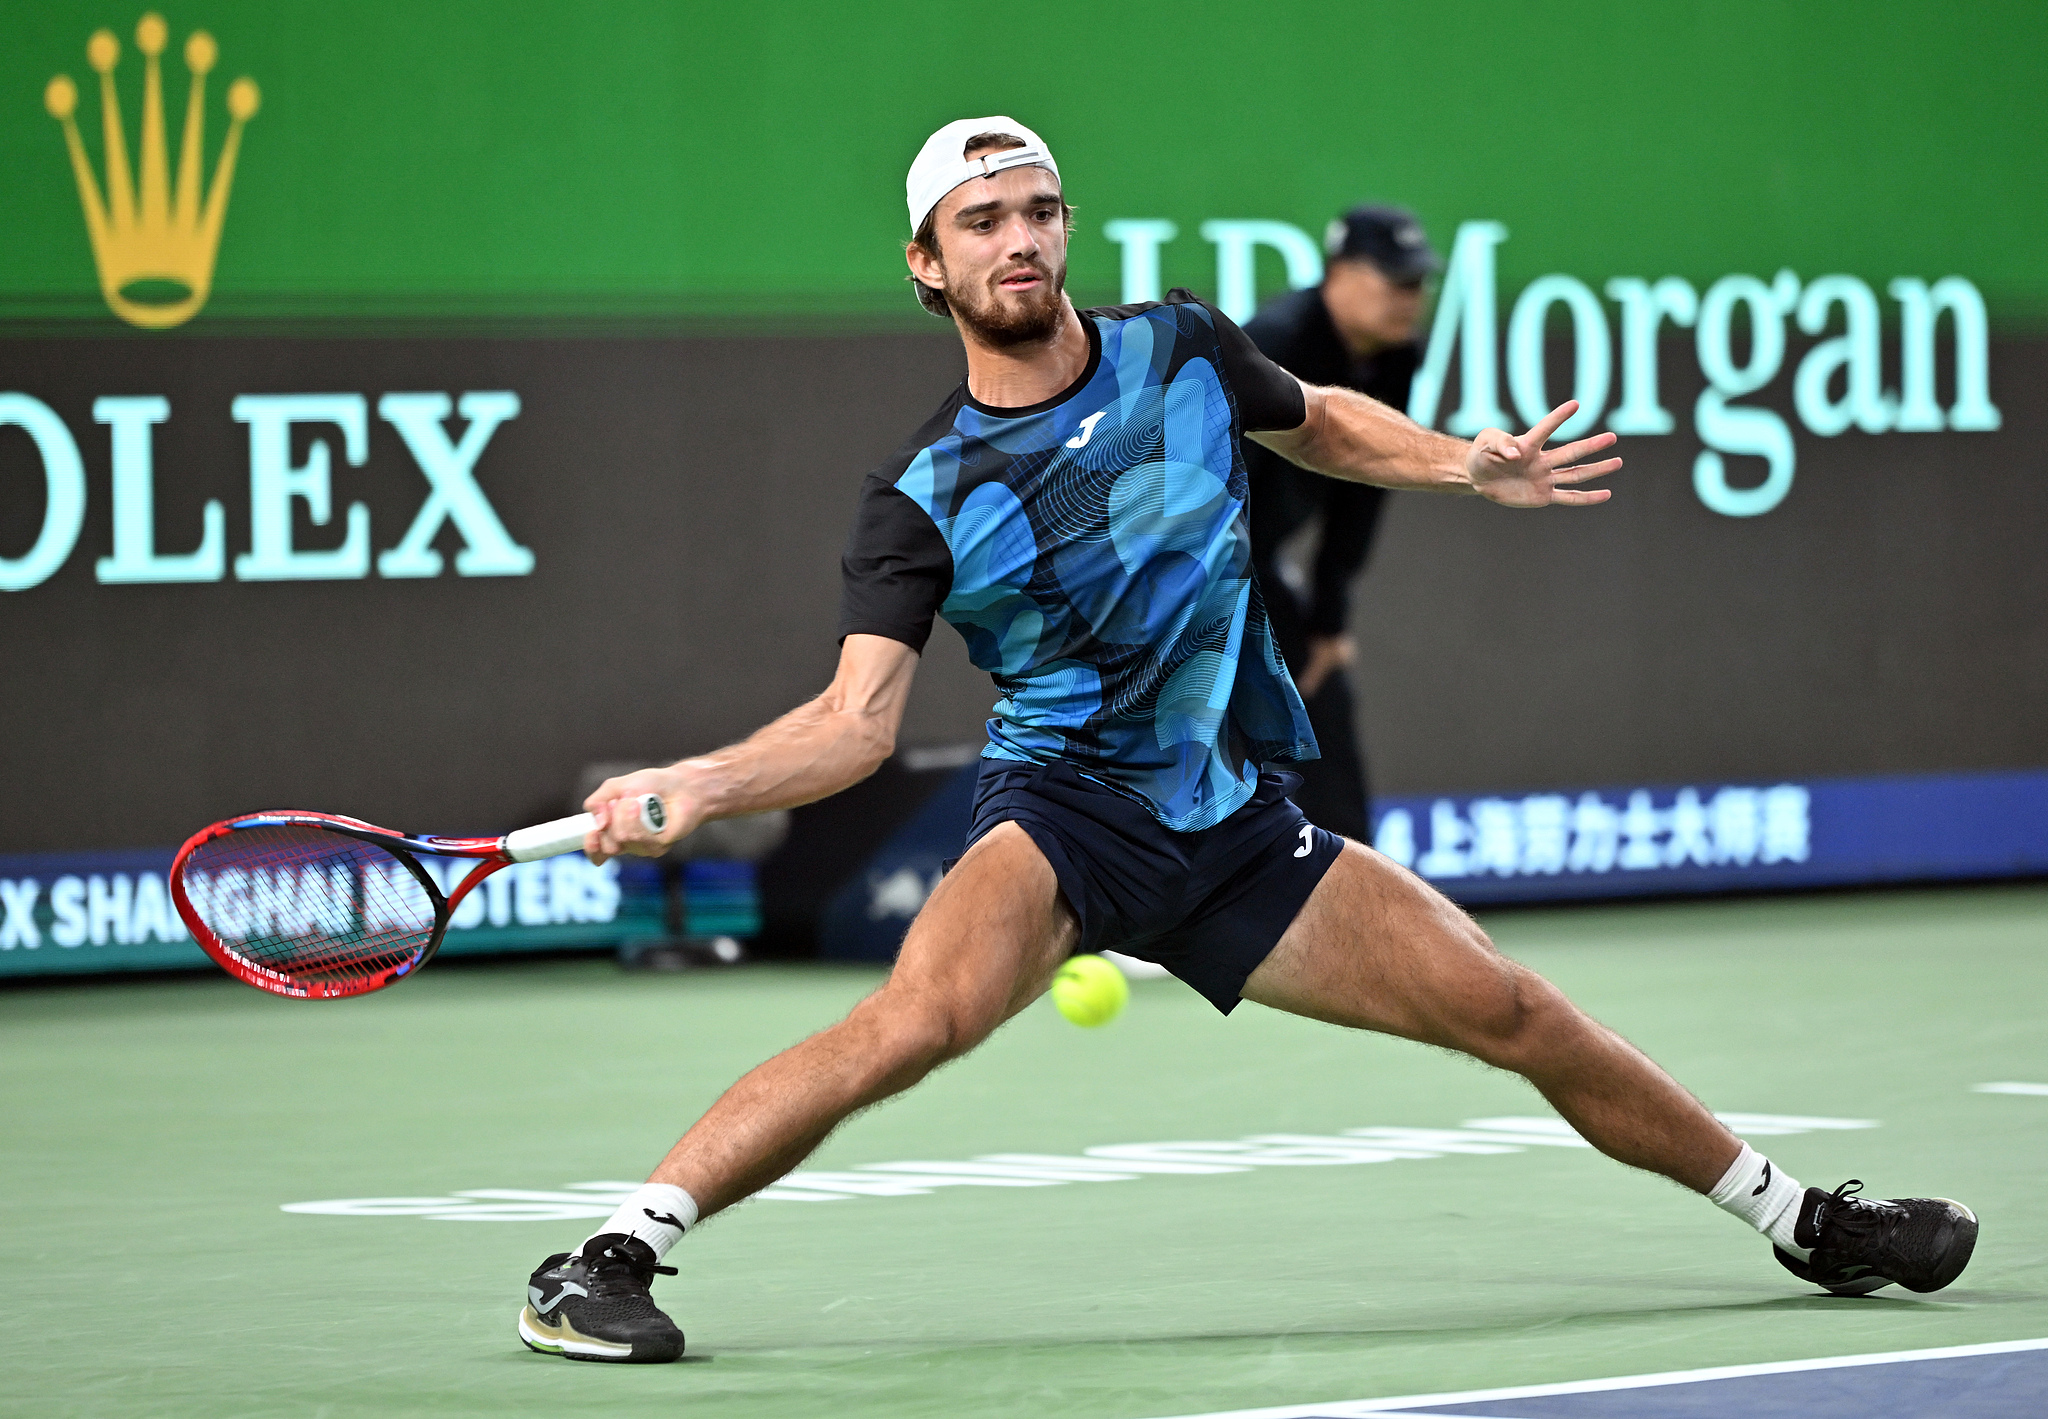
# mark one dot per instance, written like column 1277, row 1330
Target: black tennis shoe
column 596, row 1306
column 1862, row 1243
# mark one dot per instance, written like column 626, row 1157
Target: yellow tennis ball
column 1090, row 991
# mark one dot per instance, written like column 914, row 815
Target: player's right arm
column 894, row 576
column 814, row 751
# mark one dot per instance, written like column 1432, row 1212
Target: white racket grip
column 567, row 834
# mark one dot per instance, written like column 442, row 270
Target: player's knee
column 918, row 1032
column 1514, row 1023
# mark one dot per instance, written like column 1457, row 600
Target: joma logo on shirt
column 1088, row 424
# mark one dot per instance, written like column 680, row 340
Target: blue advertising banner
column 1610, row 842
column 1560, row 844
column 111, row 911
column 76, row 912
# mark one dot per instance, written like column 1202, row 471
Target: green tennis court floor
column 155, row 1131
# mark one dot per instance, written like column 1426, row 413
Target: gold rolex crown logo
column 154, row 246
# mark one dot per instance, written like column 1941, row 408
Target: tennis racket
column 316, row 906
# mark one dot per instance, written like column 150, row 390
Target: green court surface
column 155, row 1130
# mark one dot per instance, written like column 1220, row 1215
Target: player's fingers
column 595, row 847
column 629, row 830
column 625, row 826
column 621, row 828
column 1579, row 448
column 1540, row 435
column 678, row 818
column 1579, row 497
column 1497, row 443
column 1584, row 471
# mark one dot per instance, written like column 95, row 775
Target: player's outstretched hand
column 619, row 827
column 1518, row 472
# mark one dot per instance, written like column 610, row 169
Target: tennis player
column 1076, row 509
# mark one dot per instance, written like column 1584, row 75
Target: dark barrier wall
column 683, row 503
column 1889, row 616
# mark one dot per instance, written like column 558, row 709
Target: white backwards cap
column 940, row 168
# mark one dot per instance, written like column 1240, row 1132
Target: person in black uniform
column 1356, row 330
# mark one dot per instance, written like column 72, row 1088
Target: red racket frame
column 490, row 851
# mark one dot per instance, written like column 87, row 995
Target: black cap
column 1388, row 237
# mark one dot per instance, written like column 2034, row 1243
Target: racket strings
column 308, row 904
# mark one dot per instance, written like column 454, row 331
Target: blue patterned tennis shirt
column 1094, row 551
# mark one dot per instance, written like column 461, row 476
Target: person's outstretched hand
column 1517, row 472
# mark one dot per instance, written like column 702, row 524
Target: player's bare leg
column 1378, row 949
column 985, row 946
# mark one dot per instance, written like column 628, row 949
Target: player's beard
column 1031, row 319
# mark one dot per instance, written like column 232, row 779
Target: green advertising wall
column 663, row 162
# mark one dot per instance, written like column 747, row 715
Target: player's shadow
column 1776, row 1305
column 1887, row 1300
column 1471, row 1328
column 510, row 1357
column 1816, row 1301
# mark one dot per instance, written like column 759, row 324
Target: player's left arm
column 1350, row 436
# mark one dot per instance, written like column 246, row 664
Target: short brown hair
column 927, row 238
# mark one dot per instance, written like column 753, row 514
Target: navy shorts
column 1208, row 905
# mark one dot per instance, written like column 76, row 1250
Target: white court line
column 1107, row 1162
column 1391, row 1407
column 2009, row 1088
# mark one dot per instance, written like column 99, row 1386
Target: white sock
column 656, row 1213
column 1762, row 1196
